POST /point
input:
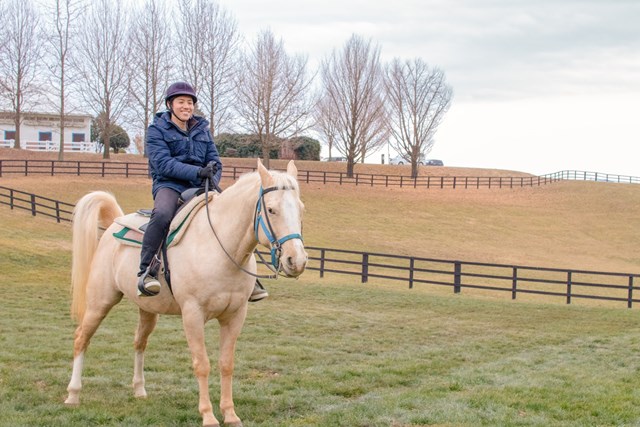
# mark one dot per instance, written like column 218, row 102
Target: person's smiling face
column 182, row 107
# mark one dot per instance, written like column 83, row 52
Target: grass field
column 319, row 353
column 335, row 352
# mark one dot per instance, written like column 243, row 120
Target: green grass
column 317, row 353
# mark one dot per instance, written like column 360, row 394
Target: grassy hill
column 581, row 225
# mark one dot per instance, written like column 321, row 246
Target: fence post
column 57, row 211
column 568, row 287
column 0, row 168
column 126, row 170
column 412, row 262
column 630, row 293
column 365, row 268
column 457, row 277
column 11, row 198
column 52, row 167
column 322, row 251
column 26, row 167
column 33, row 205
column 514, row 283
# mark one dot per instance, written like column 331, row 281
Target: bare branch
column 103, row 63
column 418, row 97
column 352, row 92
column 149, row 37
column 20, row 57
column 273, row 92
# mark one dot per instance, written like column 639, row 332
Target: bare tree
column 220, row 63
column 273, row 92
column 190, row 46
column 150, row 38
column 208, row 57
column 326, row 121
column 63, row 15
column 103, row 64
column 352, row 83
column 20, row 56
column 418, row 98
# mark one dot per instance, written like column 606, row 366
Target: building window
column 77, row 137
column 45, row 136
column 9, row 134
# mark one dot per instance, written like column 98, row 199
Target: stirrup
column 148, row 285
column 259, row 292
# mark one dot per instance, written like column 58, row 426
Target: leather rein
column 260, row 221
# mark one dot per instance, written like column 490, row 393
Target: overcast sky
column 539, row 85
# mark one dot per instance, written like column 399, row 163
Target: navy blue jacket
column 176, row 156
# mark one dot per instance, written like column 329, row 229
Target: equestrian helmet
column 178, row 89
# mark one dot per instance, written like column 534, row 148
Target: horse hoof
column 71, row 404
column 236, row 424
column 211, row 425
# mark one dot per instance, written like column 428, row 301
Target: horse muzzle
column 293, row 260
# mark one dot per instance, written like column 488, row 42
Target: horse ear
column 292, row 169
column 265, row 176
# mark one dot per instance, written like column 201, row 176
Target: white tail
column 94, row 210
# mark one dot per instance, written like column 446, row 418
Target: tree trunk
column 16, row 124
column 265, row 155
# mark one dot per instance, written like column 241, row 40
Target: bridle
column 260, row 221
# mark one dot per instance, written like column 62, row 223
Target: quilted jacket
column 176, row 156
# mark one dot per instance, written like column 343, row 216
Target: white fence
column 51, row 146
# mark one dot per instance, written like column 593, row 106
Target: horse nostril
column 290, row 261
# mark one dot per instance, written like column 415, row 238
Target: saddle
column 134, row 224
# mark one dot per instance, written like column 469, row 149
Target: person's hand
column 208, row 171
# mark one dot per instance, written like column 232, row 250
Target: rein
column 259, row 222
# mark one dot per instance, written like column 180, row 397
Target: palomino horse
column 206, row 282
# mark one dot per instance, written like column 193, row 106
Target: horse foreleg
column 146, row 324
column 83, row 335
column 229, row 332
column 193, row 322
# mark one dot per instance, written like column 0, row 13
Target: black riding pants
column 165, row 205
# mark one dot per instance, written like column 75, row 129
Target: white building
column 41, row 132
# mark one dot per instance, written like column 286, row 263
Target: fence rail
column 37, row 205
column 138, row 169
column 413, row 271
column 458, row 275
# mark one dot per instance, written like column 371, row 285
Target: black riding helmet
column 178, row 89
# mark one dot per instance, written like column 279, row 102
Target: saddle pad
column 133, row 224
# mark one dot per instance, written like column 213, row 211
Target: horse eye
column 271, row 211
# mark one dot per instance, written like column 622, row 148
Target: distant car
column 434, row 162
column 334, row 159
column 399, row 160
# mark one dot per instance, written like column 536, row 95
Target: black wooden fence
column 37, row 205
column 127, row 169
column 414, row 271
column 515, row 280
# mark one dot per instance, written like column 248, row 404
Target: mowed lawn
column 335, row 352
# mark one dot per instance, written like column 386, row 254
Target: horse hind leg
column 146, row 324
column 88, row 326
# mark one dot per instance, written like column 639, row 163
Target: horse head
column 278, row 223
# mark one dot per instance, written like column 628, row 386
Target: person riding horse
column 182, row 155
